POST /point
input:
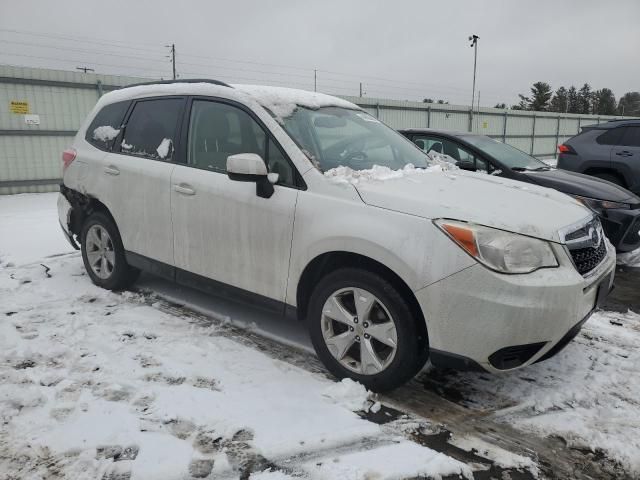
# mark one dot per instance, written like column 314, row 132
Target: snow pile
column 377, row 173
column 349, row 394
column 105, row 133
column 390, row 462
column 499, row 456
column 163, row 148
column 282, row 102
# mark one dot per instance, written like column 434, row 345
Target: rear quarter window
column 151, row 128
column 106, row 125
column 611, row 137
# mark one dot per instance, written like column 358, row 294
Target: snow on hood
column 282, row 102
column 473, row 197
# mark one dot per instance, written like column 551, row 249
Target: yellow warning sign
column 16, row 106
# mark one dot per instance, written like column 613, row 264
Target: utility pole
column 474, row 44
column 361, row 89
column 315, row 80
column 172, row 56
column 85, row 69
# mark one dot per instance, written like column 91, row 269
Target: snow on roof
column 282, row 102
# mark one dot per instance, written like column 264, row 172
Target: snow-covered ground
column 96, row 384
column 102, row 385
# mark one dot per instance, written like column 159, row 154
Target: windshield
column 506, row 154
column 332, row 137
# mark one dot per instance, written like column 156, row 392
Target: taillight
column 68, row 156
column 566, row 149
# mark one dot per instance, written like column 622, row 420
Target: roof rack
column 184, row 80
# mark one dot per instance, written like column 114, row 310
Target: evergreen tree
column 539, row 100
column 559, row 102
column 540, row 96
column 604, row 102
column 573, row 104
column 585, row 99
column 629, row 104
column 525, row 103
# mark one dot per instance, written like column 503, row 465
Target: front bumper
column 478, row 318
column 622, row 228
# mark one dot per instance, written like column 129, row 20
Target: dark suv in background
column 610, row 151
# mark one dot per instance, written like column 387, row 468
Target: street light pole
column 474, row 44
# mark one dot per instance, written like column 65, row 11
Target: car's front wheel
column 103, row 253
column 363, row 328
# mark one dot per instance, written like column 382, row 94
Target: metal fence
column 537, row 133
column 41, row 109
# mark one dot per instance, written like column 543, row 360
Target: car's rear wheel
column 103, row 253
column 362, row 328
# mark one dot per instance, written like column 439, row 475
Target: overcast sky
column 398, row 49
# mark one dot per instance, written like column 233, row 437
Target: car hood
column 583, row 185
column 478, row 198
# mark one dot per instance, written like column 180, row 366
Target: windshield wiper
column 524, row 169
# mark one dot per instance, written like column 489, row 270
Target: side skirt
column 210, row 286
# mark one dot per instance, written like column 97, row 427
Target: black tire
column 123, row 275
column 412, row 349
column 610, row 177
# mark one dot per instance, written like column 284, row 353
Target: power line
column 66, row 60
column 128, row 45
column 92, row 52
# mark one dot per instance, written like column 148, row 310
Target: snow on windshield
column 377, row 173
column 282, row 102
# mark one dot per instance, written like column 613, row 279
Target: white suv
column 305, row 204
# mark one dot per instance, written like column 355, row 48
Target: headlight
column 498, row 250
column 598, row 205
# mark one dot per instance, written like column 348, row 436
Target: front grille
column 586, row 259
column 586, row 243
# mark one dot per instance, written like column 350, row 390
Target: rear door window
column 631, row 137
column 151, row 128
column 612, row 136
column 106, row 125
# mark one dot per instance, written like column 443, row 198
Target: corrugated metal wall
column 59, row 101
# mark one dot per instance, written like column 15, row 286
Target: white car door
column 137, row 174
column 222, row 229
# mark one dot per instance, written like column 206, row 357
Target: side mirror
column 250, row 167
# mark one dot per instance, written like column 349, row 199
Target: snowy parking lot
column 165, row 383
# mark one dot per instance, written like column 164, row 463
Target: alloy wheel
column 100, row 252
column 359, row 331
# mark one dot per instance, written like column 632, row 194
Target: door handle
column 624, row 153
column 111, row 170
column 184, row 189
